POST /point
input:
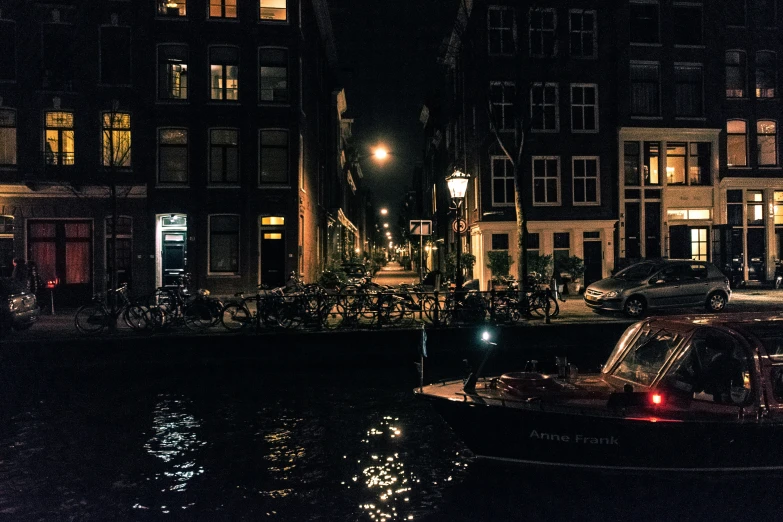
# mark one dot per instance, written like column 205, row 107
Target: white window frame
column 656, row 116
column 745, row 134
column 506, row 106
column 538, row 32
column 582, row 32
column 597, row 179
column 270, row 20
column 159, row 182
column 505, row 11
column 758, row 144
column 209, row 246
column 544, row 105
column 535, row 177
column 508, row 165
column 584, row 86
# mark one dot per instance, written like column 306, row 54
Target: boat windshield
column 647, row 357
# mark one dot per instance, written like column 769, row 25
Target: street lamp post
column 458, row 186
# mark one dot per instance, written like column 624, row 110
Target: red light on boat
column 656, row 399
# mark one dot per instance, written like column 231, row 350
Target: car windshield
column 647, row 356
column 637, row 272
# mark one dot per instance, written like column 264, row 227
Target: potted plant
column 499, row 263
column 466, row 260
column 571, row 269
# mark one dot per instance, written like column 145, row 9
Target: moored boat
column 681, row 393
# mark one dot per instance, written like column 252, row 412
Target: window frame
column 584, row 106
column 678, row 83
column 690, row 5
column 657, row 112
column 13, row 135
column 742, row 68
column 159, row 63
column 593, row 31
column 224, row 90
column 759, row 136
column 540, row 32
column 597, row 181
column 61, row 156
column 745, row 165
column 556, row 104
column 111, row 130
column 631, row 22
column 535, row 177
column 223, row 148
column 274, row 184
column 222, row 5
column 168, row 183
column 273, row 20
column 505, row 178
column 238, row 252
column 503, row 106
column 162, row 4
column 287, row 54
column 773, row 73
column 505, row 11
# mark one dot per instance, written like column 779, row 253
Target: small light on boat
column 485, row 336
column 656, row 399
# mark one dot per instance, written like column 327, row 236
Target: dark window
column 500, row 241
column 645, row 95
column 173, row 156
column 735, row 12
column 736, row 74
column 644, row 23
column 273, row 164
column 766, row 74
column 500, row 24
column 582, row 33
column 766, row 10
column 272, row 75
column 542, row 32
column 8, row 45
column 687, row 25
column 631, row 153
column 223, row 156
column 562, row 240
column 224, row 244
column 173, row 72
column 688, row 89
column 116, row 55
column 533, row 241
column 57, row 57
column 7, row 137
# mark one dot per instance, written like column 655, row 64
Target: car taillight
column 656, row 399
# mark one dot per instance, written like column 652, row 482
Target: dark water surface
column 245, row 442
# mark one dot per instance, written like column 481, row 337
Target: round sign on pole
column 459, row 225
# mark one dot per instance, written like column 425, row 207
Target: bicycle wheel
column 139, row 317
column 333, row 314
column 538, row 303
column 235, row 317
column 290, row 314
column 91, row 318
column 197, row 316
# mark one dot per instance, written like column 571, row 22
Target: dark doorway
column 174, row 257
column 593, row 261
column 679, row 242
column 273, row 259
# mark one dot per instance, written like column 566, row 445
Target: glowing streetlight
column 385, row 225
column 380, row 153
column 458, row 186
column 384, row 211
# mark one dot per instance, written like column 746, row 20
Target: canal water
column 246, row 441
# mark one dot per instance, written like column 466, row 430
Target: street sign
column 421, row 227
column 459, row 225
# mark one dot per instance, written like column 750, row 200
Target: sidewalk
column 60, row 326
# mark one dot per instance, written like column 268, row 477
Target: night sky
column 387, row 52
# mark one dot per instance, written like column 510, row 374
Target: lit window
column 546, row 180
column 273, row 161
column 766, row 143
column 736, row 143
column 766, row 74
column 224, row 73
column 173, row 156
column 500, row 26
column 222, row 8
column 699, row 244
column 173, row 72
column 542, row 32
column 116, row 139
column 172, row 7
column 778, row 208
column 272, row 75
column 502, row 99
column 502, row 181
column 223, row 156
column 274, row 10
column 582, row 33
column 224, row 244
column 544, row 107
column 7, row 137
column 586, row 181
column 273, row 220
column 58, row 139
column 675, row 163
column 735, row 74
column 584, row 108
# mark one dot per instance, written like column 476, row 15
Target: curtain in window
column 688, row 91
column 645, row 98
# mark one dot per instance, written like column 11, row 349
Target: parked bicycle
column 259, row 311
column 96, row 316
column 177, row 305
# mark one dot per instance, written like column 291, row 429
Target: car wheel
column 716, row 302
column 634, row 307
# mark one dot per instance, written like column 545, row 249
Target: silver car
column 673, row 283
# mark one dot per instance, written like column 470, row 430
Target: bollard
column 435, row 317
column 51, row 298
column 547, row 306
